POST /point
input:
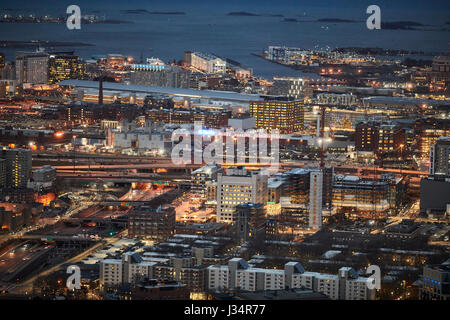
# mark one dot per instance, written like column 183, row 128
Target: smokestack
column 100, row 90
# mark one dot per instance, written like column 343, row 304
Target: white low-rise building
column 347, row 285
column 131, row 267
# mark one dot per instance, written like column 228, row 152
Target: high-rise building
column 315, row 199
column 297, row 183
column 236, row 187
column 428, row 131
column 64, row 67
column 150, row 223
column 286, row 116
column 366, row 136
column 2, row 173
column 18, row 166
column 209, row 119
column 379, row 137
column 160, row 76
column 32, row 67
column 202, row 177
column 372, row 198
column 297, row 88
column 434, row 196
column 390, row 138
column 250, row 222
column 2, row 61
column 440, row 157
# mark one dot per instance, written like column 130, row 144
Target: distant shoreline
column 249, row 14
column 27, row 44
column 61, row 20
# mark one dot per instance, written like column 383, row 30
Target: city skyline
column 239, row 151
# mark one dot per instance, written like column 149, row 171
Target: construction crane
column 321, row 132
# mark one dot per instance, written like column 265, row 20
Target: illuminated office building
column 64, row 67
column 209, row 119
column 18, row 166
column 286, row 116
column 236, row 187
column 440, row 157
column 364, row 197
column 428, row 131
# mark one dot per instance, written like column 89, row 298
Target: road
column 15, row 257
column 409, row 212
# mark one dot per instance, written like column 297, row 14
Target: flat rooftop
column 179, row 92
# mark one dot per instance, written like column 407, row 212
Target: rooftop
column 180, row 92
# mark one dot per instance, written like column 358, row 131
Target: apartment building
column 347, row 285
column 205, row 62
column 129, row 269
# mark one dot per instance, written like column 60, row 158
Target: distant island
column 145, row 11
column 249, row 14
column 336, row 20
column 134, row 11
column 112, row 21
column 243, row 13
column 272, row 15
column 167, row 12
column 402, row 25
column 290, row 20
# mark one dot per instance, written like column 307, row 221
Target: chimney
column 100, row 90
